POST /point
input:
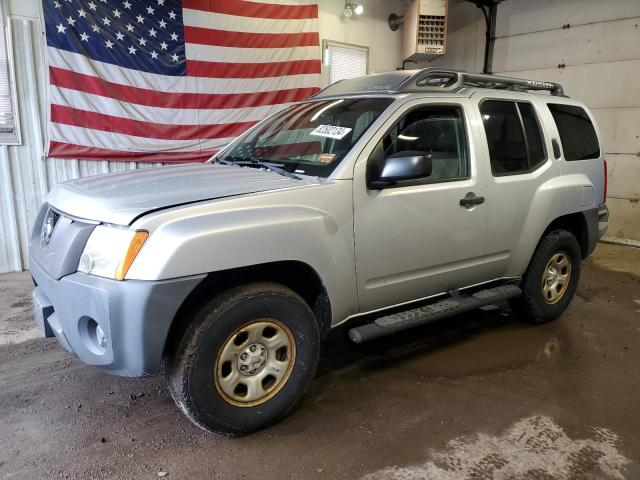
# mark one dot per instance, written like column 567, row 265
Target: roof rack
column 453, row 80
column 434, row 79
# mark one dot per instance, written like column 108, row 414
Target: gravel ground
column 478, row 396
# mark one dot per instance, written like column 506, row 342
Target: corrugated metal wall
column 26, row 177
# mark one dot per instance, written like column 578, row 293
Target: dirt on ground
column 481, row 395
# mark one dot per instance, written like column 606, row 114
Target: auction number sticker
column 331, row 131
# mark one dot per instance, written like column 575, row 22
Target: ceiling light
column 350, row 8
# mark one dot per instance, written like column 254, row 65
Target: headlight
column 110, row 251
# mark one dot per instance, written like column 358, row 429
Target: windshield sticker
column 326, row 157
column 331, row 131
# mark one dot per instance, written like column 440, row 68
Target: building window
column 345, row 60
column 9, row 124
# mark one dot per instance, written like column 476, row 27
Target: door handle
column 470, row 200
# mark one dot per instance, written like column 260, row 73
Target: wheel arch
column 576, row 223
column 296, row 275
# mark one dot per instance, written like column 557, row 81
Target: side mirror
column 402, row 166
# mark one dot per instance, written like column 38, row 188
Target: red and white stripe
column 245, row 61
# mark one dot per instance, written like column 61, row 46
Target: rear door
column 518, row 151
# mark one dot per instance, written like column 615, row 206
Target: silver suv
column 386, row 201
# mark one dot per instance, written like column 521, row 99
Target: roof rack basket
column 431, row 79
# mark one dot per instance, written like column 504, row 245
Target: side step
column 449, row 307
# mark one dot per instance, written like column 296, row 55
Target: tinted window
column 578, row 137
column 436, row 131
column 532, row 131
column 505, row 137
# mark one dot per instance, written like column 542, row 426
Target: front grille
column 57, row 242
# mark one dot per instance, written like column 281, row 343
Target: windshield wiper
column 255, row 162
column 223, row 161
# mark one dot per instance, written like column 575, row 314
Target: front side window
column 309, row 138
column 577, row 134
column 513, row 135
column 437, row 132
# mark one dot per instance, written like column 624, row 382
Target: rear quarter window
column 577, row 134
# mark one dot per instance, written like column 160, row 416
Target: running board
column 449, row 307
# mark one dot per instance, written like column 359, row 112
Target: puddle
column 470, row 344
column 534, row 447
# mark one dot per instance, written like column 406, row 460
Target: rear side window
column 514, row 136
column 578, row 137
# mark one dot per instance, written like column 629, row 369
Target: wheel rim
column 255, row 362
column 556, row 277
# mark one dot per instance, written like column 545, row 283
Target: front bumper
column 134, row 317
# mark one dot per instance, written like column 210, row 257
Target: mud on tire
column 229, row 342
column 543, row 298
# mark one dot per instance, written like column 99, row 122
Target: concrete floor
column 479, row 396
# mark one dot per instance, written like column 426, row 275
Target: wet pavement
column 477, row 396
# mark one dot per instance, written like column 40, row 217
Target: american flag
column 171, row 80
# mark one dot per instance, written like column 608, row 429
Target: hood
column 120, row 198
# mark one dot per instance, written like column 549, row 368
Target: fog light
column 101, row 338
column 93, row 336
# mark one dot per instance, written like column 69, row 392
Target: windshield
column 309, row 138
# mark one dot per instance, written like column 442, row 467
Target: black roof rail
column 453, row 80
column 434, row 79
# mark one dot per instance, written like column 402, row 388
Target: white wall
column 600, row 52
column 465, row 39
column 368, row 30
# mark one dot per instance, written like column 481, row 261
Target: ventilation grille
column 431, row 33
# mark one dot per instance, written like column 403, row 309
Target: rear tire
column 245, row 360
column 551, row 279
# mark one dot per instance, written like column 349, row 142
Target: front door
column 415, row 239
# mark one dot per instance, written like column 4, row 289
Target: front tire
column 245, row 360
column 551, row 278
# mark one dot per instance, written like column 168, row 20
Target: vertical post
column 489, row 13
